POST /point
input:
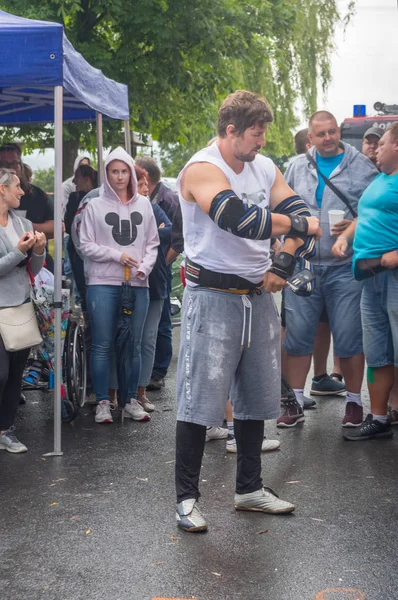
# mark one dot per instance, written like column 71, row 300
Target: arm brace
column 243, row 220
column 283, row 265
column 294, row 205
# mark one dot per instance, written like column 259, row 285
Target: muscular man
column 230, row 331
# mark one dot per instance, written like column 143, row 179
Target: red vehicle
column 354, row 128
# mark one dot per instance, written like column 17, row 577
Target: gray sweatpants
column 230, row 347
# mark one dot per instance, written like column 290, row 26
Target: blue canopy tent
column 43, row 79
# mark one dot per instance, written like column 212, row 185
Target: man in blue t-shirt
column 335, row 287
column 376, row 261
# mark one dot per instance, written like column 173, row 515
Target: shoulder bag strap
column 331, row 186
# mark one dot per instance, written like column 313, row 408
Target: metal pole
column 58, row 243
column 127, row 136
column 98, row 118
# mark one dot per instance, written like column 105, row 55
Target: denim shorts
column 379, row 308
column 337, row 290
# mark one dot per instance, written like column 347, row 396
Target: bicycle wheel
column 75, row 364
column 79, row 365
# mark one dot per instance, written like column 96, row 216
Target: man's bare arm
column 280, row 190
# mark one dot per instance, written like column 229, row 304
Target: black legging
column 12, row 365
column 190, row 443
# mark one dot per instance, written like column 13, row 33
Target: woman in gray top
column 18, row 243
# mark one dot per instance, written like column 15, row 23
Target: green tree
column 44, row 178
column 180, row 58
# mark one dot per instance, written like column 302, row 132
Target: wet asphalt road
column 98, row 523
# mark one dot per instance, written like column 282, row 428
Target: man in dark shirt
column 167, row 200
column 35, row 204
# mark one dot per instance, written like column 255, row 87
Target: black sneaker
column 368, row 430
column 326, row 386
column 156, row 383
column 309, row 403
column 288, row 394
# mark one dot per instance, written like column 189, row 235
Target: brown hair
column 151, row 167
column 301, row 140
column 243, row 109
column 140, row 172
column 88, row 171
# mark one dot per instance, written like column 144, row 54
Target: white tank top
column 215, row 249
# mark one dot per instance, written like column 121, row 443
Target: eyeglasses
column 10, row 165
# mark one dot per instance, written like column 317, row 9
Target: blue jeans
column 379, row 309
column 164, row 344
column 103, row 302
column 148, row 344
column 340, row 293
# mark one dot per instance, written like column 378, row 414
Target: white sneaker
column 134, row 410
column 189, row 517
column 10, row 442
column 216, row 433
column 264, row 500
column 267, row 445
column 146, row 404
column 103, row 412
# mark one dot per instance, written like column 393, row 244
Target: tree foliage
column 180, row 58
column 44, row 178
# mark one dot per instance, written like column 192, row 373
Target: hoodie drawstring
column 246, row 304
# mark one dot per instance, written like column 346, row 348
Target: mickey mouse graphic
column 124, row 232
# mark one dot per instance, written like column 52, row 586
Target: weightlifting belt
column 222, row 281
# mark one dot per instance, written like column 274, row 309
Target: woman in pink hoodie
column 118, row 229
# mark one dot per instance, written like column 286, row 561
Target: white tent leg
column 127, row 136
column 58, row 239
column 100, row 144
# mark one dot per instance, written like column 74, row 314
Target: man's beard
column 246, row 157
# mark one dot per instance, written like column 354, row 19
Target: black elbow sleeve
column 243, row 220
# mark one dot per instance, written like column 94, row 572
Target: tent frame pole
column 100, row 145
column 127, row 136
column 58, row 243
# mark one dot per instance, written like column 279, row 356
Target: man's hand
column 273, row 283
column 390, row 260
column 128, row 261
column 314, row 227
column 339, row 248
column 339, row 227
column 39, row 243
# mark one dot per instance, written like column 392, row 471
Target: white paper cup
column 335, row 216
